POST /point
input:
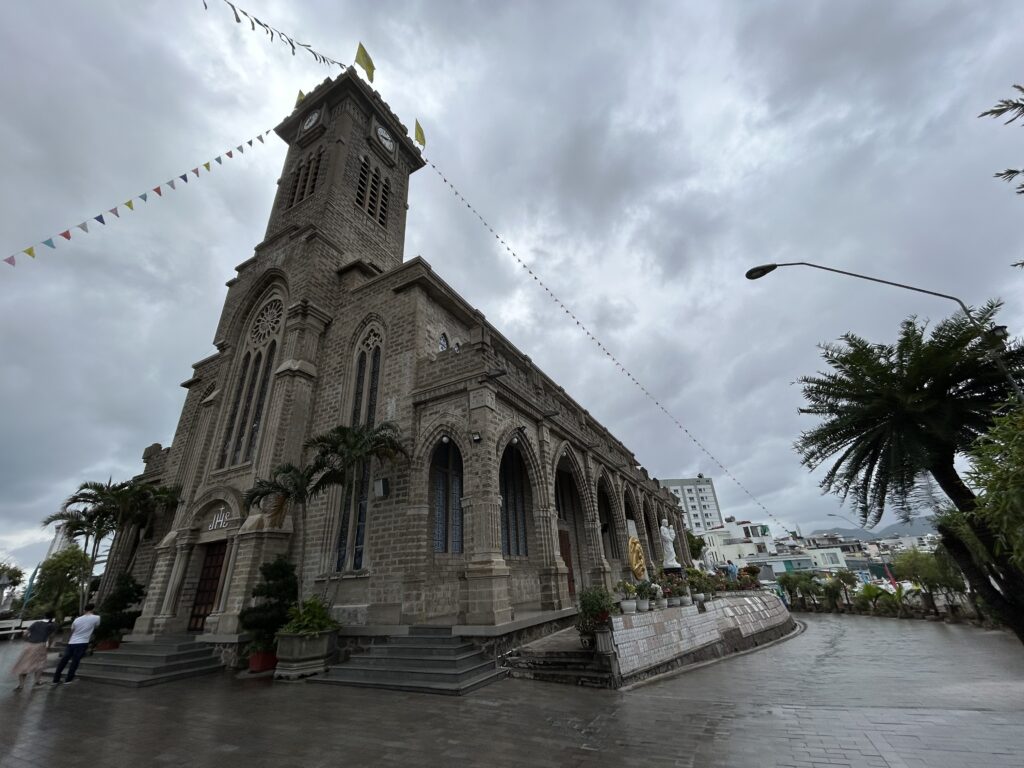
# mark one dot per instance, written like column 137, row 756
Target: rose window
column 267, row 322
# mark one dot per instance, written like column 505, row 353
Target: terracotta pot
column 261, row 661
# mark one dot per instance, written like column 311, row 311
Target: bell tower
column 346, row 174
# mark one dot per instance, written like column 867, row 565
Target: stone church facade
column 513, row 497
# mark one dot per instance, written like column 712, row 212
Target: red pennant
column 196, row 172
column 157, row 190
column 114, row 211
column 66, row 234
column 10, row 260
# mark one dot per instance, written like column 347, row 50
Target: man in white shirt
column 81, row 632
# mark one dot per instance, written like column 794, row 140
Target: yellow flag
column 206, row 166
column 299, row 98
column 30, row 251
column 130, row 205
column 363, row 60
column 419, row 135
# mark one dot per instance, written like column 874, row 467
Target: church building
column 512, row 497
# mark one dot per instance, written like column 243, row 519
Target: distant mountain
column 917, row 527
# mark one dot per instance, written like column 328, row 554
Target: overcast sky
column 640, row 155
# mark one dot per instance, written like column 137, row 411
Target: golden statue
column 636, row 558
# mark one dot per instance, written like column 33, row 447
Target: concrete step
column 426, row 630
column 133, row 653
column 355, row 669
column 132, row 680
column 415, row 686
column 419, row 651
column 388, row 661
column 542, row 665
column 585, row 678
column 118, row 666
column 436, row 641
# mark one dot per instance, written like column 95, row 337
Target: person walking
column 38, row 637
column 81, row 631
column 732, row 570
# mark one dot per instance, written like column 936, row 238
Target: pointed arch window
column 373, row 192
column 306, row 175
column 513, row 484
column 609, row 534
column 446, row 497
column 252, row 387
column 355, row 505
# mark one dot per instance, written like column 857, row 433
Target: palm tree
column 896, row 414
column 138, row 506
column 290, row 486
column 344, row 449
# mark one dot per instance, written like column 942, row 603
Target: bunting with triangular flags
column 130, row 203
column 260, row 139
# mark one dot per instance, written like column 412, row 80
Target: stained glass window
column 446, row 482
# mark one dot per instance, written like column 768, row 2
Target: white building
column 697, row 498
column 736, row 541
column 827, row 559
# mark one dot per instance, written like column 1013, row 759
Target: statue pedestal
column 677, row 571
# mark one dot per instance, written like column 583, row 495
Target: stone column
column 598, row 572
column 553, row 573
column 156, row 590
column 168, row 617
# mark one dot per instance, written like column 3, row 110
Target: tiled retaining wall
column 655, row 638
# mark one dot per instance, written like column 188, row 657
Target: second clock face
column 310, row 120
column 385, row 138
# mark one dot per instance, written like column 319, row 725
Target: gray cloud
column 639, row 157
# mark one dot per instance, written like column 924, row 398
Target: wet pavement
column 850, row 691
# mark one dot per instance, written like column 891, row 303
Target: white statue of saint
column 668, row 538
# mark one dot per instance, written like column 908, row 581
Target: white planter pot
column 628, row 606
column 698, row 596
column 673, row 602
column 643, row 605
column 686, row 600
column 662, row 602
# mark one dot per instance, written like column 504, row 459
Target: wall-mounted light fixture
column 445, row 439
column 475, row 437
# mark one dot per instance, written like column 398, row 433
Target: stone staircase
column 559, row 658
column 135, row 665
column 427, row 660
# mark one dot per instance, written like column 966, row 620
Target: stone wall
column 654, row 641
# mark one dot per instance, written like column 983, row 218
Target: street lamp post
column 756, row 273
column 881, row 552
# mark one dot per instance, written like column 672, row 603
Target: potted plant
column 117, row 619
column 644, row 591
column 308, row 643
column 698, row 584
column 659, row 595
column 276, row 592
column 628, row 591
column 595, row 608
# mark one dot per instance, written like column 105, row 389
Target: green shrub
column 310, row 618
column 278, row 590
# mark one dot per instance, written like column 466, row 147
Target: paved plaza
column 850, row 691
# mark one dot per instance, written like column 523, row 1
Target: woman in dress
column 33, row 659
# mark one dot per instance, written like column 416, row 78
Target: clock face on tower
column 310, row 120
column 385, row 138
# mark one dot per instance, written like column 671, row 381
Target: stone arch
column 271, row 280
column 369, row 320
column 224, row 494
column 530, row 457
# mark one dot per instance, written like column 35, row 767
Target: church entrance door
column 565, row 548
column 209, row 580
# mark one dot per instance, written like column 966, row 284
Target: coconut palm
column 895, row 414
column 289, row 487
column 340, row 452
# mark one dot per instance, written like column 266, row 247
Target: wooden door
column 565, row 547
column 209, row 580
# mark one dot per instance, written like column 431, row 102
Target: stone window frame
column 373, row 191
column 306, row 175
column 526, row 493
column 447, row 532
column 252, row 382
column 350, row 549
